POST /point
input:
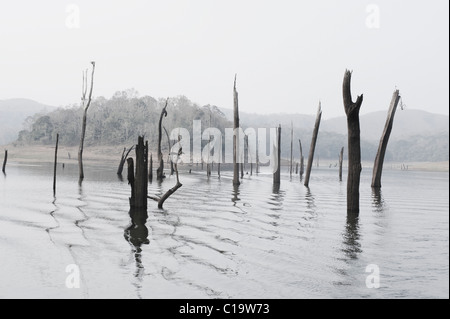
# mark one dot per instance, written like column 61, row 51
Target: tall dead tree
column 302, row 160
column 313, row 145
column 277, row 174
column 341, row 160
column 235, row 135
column 4, row 162
column 160, row 169
column 150, row 169
column 379, row 159
column 354, row 144
column 54, row 165
column 139, row 180
column 85, row 104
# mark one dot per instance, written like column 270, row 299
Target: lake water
column 216, row 241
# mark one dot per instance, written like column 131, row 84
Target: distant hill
column 13, row 113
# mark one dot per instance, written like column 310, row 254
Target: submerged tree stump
column 55, row 165
column 379, row 159
column 277, row 174
column 341, row 160
column 4, row 162
column 139, row 180
column 235, row 136
column 354, row 145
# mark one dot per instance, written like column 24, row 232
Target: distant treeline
column 122, row 118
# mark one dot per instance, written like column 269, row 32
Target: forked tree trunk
column 235, row 137
column 86, row 105
column 379, row 159
column 160, row 169
column 277, row 174
column 313, row 145
column 354, row 145
column 341, row 160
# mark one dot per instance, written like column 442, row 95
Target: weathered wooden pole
column 379, row 159
column 302, row 160
column 354, row 144
column 313, row 145
column 150, row 169
column 141, row 179
column 85, row 105
column 54, row 165
column 4, row 162
column 235, row 135
column 160, row 169
column 277, row 174
column 341, row 160
column 292, row 150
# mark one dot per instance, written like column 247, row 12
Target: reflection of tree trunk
column 83, row 127
column 354, row 145
column 313, row 145
column 378, row 165
column 4, row 162
column 160, row 170
column 235, row 137
column 54, row 165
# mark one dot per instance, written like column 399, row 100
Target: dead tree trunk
column 172, row 170
column 130, row 177
column 235, row 137
column 140, row 179
column 277, row 174
column 379, row 159
column 123, row 159
column 160, row 170
column 150, row 170
column 292, row 150
column 313, row 145
column 85, row 105
column 354, row 145
column 4, row 162
column 302, row 163
column 341, row 160
column 54, row 165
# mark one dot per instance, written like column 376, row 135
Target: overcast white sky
column 288, row 54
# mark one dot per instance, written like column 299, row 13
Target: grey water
column 213, row 240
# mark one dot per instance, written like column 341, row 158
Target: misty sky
column 288, row 54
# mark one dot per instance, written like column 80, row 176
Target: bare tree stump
column 277, row 174
column 150, row 170
column 313, row 145
column 354, row 145
column 130, row 177
column 4, row 162
column 379, row 159
column 141, row 179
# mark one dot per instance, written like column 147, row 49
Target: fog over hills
column 13, row 113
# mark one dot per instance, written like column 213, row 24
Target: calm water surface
column 216, row 241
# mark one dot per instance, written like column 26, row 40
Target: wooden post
column 150, row 170
column 141, row 179
column 235, row 137
column 302, row 164
column 4, row 162
column 379, row 159
column 296, row 168
column 54, row 165
column 313, row 145
column 160, row 170
column 341, row 160
column 292, row 150
column 354, row 145
column 83, row 126
column 277, row 174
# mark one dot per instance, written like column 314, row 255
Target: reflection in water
column 310, row 201
column 277, row 197
column 235, row 194
column 378, row 200
column 137, row 235
column 351, row 237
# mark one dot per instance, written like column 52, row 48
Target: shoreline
column 101, row 155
